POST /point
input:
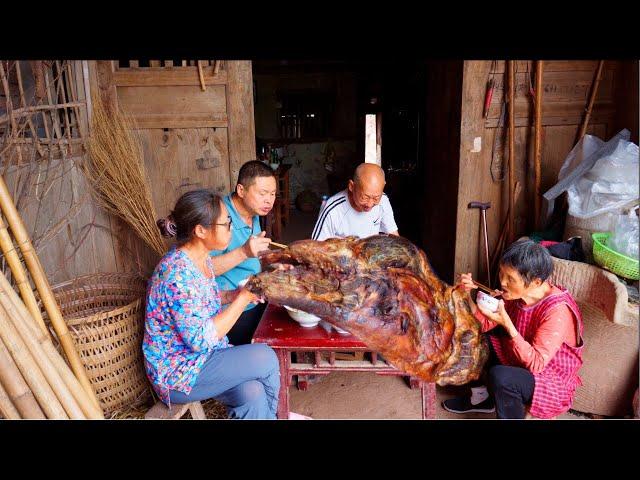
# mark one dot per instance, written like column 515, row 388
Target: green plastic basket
column 613, row 261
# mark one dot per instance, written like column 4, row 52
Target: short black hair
column 530, row 259
column 252, row 170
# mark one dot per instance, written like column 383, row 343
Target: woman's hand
column 501, row 317
column 249, row 297
column 466, row 282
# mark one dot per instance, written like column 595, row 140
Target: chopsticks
column 279, row 245
column 483, row 287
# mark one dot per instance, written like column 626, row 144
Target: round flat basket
column 105, row 317
column 613, row 261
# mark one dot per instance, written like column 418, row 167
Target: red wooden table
column 286, row 336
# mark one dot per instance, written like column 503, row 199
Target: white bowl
column 306, row 320
column 487, row 301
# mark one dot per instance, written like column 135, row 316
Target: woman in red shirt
column 536, row 339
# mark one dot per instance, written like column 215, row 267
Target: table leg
column 414, row 383
column 428, row 391
column 303, row 382
column 283, row 398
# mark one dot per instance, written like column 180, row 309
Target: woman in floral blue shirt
column 187, row 355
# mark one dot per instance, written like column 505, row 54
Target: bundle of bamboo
column 35, row 381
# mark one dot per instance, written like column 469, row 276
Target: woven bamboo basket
column 105, row 317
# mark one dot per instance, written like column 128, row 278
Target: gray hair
column 530, row 259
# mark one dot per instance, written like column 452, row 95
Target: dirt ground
column 363, row 395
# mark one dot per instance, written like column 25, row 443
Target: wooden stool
column 161, row 412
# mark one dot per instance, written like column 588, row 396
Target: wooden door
column 196, row 130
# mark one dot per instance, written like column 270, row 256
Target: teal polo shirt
column 240, row 233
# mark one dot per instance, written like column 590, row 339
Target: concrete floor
column 362, row 395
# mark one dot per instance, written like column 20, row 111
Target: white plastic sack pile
column 609, row 185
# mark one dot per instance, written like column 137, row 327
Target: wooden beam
column 537, row 147
column 242, row 139
column 172, row 76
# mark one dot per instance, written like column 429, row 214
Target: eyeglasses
column 228, row 224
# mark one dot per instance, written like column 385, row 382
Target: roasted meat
column 382, row 290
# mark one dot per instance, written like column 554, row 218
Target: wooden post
column 44, row 289
column 241, row 130
column 512, row 173
column 537, row 148
column 592, row 97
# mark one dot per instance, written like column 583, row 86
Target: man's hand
column 255, row 245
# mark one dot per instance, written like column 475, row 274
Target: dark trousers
column 242, row 331
column 512, row 389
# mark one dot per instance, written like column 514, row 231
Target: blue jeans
column 246, row 379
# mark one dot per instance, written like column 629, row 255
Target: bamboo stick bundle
column 21, row 315
column 7, row 409
column 44, row 289
column 37, row 352
column 19, row 276
column 16, row 387
column 29, row 369
column 115, row 169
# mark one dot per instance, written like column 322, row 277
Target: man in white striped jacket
column 361, row 210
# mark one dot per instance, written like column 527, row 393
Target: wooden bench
column 161, row 412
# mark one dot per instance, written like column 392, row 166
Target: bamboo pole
column 37, row 352
column 44, row 289
column 23, row 104
column 7, row 409
column 16, row 387
column 512, row 173
column 592, row 97
column 54, row 357
column 201, row 76
column 19, row 276
column 537, row 146
column 29, row 369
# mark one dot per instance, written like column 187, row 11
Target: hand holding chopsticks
column 482, row 287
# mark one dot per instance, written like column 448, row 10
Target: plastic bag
column 625, row 236
column 610, row 184
column 586, row 147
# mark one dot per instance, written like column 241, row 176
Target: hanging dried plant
column 115, row 168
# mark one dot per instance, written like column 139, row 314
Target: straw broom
column 19, row 275
column 7, row 409
column 16, row 388
column 20, row 317
column 115, row 169
column 48, row 369
column 44, row 289
column 29, row 369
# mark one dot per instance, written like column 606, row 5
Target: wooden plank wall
column 566, row 88
column 192, row 138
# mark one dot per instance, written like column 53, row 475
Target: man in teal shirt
column 254, row 197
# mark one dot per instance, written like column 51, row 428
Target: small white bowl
column 306, row 320
column 487, row 301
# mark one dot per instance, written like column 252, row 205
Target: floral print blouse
column 179, row 332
